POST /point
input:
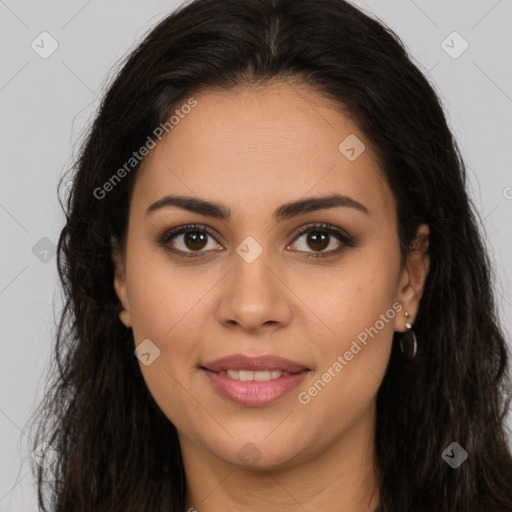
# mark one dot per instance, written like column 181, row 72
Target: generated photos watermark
column 138, row 156
column 305, row 397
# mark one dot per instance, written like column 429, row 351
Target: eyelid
column 329, row 228
column 178, row 230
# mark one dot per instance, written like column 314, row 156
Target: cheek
column 164, row 313
column 353, row 297
column 361, row 324
column 163, row 298
column 167, row 306
column 353, row 359
column 359, row 308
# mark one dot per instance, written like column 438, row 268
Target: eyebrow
column 284, row 212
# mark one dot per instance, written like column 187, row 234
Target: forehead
column 256, row 146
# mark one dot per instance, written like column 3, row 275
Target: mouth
column 254, row 381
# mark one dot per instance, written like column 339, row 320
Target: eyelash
column 339, row 234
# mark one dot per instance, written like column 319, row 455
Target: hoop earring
column 408, row 341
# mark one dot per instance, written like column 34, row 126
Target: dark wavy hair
column 98, row 411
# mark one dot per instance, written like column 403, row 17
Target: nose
column 254, row 296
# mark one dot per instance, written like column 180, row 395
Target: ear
column 413, row 277
column 120, row 282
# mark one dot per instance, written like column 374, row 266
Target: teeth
column 263, row 376
column 247, row 375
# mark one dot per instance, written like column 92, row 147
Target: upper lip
column 242, row 362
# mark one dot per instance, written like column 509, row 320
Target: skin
column 252, row 150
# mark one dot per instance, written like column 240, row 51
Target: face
column 320, row 287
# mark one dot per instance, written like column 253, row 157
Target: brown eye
column 195, row 240
column 187, row 240
column 318, row 238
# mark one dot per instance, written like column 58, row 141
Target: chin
column 260, row 454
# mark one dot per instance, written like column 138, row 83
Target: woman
column 277, row 294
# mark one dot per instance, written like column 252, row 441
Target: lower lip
column 254, row 393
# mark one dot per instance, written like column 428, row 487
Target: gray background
column 46, row 103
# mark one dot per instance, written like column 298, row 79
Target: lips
column 254, row 381
column 261, row 363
